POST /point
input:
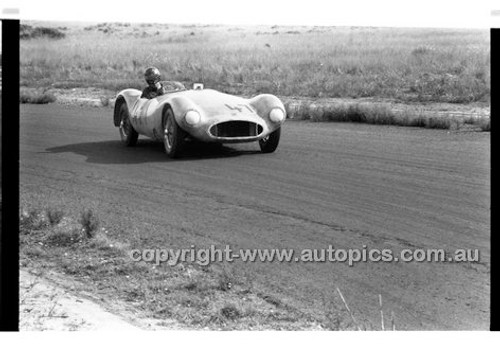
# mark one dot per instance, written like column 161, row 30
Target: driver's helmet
column 152, row 75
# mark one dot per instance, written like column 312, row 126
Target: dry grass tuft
column 36, row 98
column 230, row 312
column 54, row 216
column 64, row 237
column 89, row 222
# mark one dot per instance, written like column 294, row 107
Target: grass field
column 409, row 65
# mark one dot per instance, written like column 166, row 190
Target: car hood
column 212, row 103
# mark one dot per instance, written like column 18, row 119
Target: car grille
column 236, row 129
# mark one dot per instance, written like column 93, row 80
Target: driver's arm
column 145, row 93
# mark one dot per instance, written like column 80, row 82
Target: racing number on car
column 136, row 111
column 141, row 112
column 239, row 107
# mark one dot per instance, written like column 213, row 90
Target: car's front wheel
column 127, row 132
column 173, row 135
column 269, row 143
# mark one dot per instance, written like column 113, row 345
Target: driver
column 155, row 88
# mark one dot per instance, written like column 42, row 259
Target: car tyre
column 173, row 135
column 127, row 132
column 269, row 143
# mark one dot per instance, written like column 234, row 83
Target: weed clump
column 438, row 123
column 54, row 216
column 191, row 286
column 36, row 98
column 31, row 220
column 89, row 222
column 271, row 300
column 104, row 101
column 421, row 50
column 230, row 312
column 485, row 124
column 64, row 238
column 224, row 281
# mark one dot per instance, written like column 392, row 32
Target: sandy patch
column 46, row 304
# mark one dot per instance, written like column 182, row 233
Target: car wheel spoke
column 168, row 133
column 124, row 127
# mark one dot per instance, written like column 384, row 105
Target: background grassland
column 409, row 65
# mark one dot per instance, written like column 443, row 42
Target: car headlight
column 277, row 115
column 192, row 117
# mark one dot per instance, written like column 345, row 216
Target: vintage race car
column 200, row 114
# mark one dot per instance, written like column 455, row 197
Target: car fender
column 130, row 96
column 263, row 104
column 180, row 105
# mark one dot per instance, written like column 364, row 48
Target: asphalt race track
column 346, row 185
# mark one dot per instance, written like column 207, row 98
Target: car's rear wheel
column 269, row 143
column 173, row 135
column 127, row 132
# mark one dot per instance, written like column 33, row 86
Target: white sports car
column 201, row 114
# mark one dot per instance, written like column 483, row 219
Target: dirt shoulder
column 91, row 96
column 73, row 279
column 51, row 302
